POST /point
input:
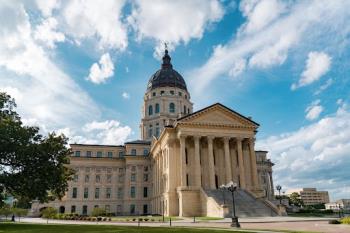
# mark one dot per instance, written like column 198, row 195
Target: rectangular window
column 145, row 192
column 132, row 192
column 86, row 192
column 85, row 209
column 120, row 193
column 75, row 192
column 133, row 152
column 180, row 93
column 87, row 178
column 76, row 178
column 88, row 153
column 119, row 209
column 72, row 209
column 132, row 209
column 121, row 154
column 109, row 154
column 161, row 92
column 98, row 178
column 157, row 132
column 109, row 178
column 120, row 178
column 172, row 92
column 108, row 193
column 145, row 168
column 145, row 177
column 99, row 154
column 133, row 177
column 97, row 193
column 77, row 153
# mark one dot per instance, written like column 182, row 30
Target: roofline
column 262, row 151
column 78, row 144
column 138, row 143
column 203, row 109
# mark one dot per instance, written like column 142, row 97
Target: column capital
column 252, row 140
column 210, row 137
column 226, row 138
column 196, row 137
column 239, row 139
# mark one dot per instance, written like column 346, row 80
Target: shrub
column 134, row 219
column 334, row 221
column 152, row 219
column 140, row 219
column 109, row 219
column 146, row 219
column 98, row 212
column 345, row 220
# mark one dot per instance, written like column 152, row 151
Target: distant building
column 342, row 203
column 311, row 196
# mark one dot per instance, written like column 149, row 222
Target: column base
column 189, row 201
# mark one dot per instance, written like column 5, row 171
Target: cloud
column 174, row 22
column 328, row 83
column 314, row 110
column 103, row 70
column 43, row 91
column 46, row 33
column 109, row 132
column 292, row 26
column 126, row 95
column 47, row 6
column 314, row 156
column 317, row 65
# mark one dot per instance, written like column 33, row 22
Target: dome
column 166, row 76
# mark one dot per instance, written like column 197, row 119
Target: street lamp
column 223, row 188
column 279, row 187
column 232, row 187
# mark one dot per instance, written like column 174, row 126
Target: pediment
column 218, row 114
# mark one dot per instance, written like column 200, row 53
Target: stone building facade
column 179, row 163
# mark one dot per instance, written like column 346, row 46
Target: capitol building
column 178, row 165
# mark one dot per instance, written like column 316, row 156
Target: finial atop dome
column 166, row 58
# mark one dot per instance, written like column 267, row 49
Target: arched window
column 172, row 107
column 157, row 108
column 150, row 110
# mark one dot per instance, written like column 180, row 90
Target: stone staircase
column 246, row 204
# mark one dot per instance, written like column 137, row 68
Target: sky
column 81, row 68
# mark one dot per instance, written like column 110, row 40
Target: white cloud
column 328, row 83
column 47, row 6
column 173, row 21
column 46, row 33
column 268, row 44
column 109, row 132
column 101, row 71
column 43, row 91
column 238, row 67
column 317, row 65
column 314, row 156
column 89, row 18
column 126, row 95
column 314, row 110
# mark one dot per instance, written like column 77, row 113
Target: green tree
column 294, row 199
column 19, row 212
column 31, row 166
column 48, row 213
column 98, row 212
column 5, row 211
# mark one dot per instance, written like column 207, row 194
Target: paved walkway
column 264, row 224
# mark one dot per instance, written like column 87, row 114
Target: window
column 75, row 193
column 108, row 193
column 85, row 209
column 150, row 110
column 76, row 178
column 132, row 209
column 98, row 178
column 188, row 110
column 145, row 152
column 172, row 92
column 184, row 109
column 119, row 209
column 145, row 177
column 180, row 93
column 120, row 178
column 97, row 193
column 157, row 108
column 132, row 192
column 145, row 209
column 145, row 192
column 86, row 192
column 133, row 152
column 72, row 209
column 88, row 153
column 121, row 154
column 109, row 178
column 172, row 107
column 150, row 132
column 145, row 168
column 186, row 156
column 99, row 154
column 157, row 131
column 77, row 153
column 153, row 94
column 87, row 178
column 121, row 170
column 185, row 96
column 161, row 92
column 133, row 177
column 120, row 193
column 109, row 154
column 187, row 183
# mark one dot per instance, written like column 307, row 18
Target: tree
column 98, row 212
column 31, row 166
column 48, row 213
column 294, row 199
column 19, row 212
column 5, row 211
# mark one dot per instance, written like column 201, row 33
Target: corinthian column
column 197, row 166
column 183, row 160
column 241, row 164
column 211, row 163
column 253, row 163
column 228, row 172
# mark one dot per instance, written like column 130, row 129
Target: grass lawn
column 61, row 228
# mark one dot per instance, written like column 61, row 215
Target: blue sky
column 81, row 68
